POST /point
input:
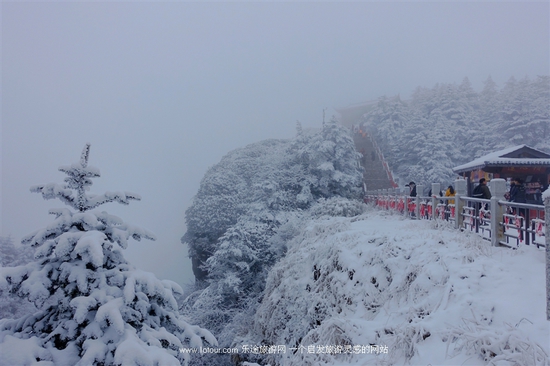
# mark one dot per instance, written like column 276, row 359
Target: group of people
column 450, row 192
column 516, row 194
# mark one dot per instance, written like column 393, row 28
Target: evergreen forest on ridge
column 448, row 125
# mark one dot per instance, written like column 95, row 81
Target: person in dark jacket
column 486, row 191
column 412, row 189
column 412, row 193
column 517, row 194
column 482, row 191
column 517, row 191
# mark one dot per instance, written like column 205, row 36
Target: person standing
column 411, row 205
column 450, row 192
column 517, row 191
column 486, row 191
column 450, row 204
column 482, row 191
column 517, row 195
column 412, row 189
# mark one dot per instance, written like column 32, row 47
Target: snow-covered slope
column 422, row 292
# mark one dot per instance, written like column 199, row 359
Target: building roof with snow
column 521, row 155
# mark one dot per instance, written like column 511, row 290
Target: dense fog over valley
column 163, row 90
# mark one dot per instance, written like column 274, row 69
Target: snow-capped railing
column 496, row 220
column 513, row 223
column 381, row 157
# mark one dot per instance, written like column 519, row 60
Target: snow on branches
column 431, row 296
column 94, row 306
column 247, row 208
column 73, row 193
column 448, row 125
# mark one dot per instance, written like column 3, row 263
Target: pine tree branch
column 53, row 190
column 120, row 197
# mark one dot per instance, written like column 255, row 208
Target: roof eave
column 468, row 169
column 500, row 164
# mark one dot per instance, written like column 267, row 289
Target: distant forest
column 439, row 128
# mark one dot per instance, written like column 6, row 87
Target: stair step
column 374, row 176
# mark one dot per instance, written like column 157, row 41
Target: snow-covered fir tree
column 11, row 256
column 489, row 106
column 525, row 113
column 448, row 125
column 540, row 113
column 389, row 115
column 95, row 308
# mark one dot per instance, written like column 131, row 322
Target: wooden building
column 524, row 162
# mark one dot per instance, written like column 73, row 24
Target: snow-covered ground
column 423, row 292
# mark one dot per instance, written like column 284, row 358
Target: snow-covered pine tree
column 466, row 124
column 449, row 121
column 10, row 256
column 105, row 311
column 489, row 116
column 540, row 112
column 525, row 113
column 458, row 124
column 333, row 163
column 513, row 113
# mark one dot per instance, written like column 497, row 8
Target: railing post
column 419, row 191
column 547, row 242
column 436, row 187
column 461, row 190
column 498, row 188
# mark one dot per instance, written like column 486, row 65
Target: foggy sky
column 163, row 90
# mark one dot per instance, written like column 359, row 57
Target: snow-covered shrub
column 508, row 345
column 359, row 282
column 337, row 206
column 94, row 306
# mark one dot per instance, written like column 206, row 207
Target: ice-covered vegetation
column 283, row 260
column 93, row 306
column 286, row 255
column 448, row 125
column 247, row 208
column 12, row 256
column 423, row 293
